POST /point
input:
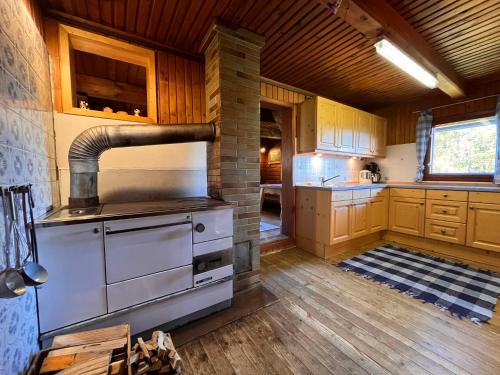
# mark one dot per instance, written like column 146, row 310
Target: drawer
column 450, row 195
column 143, row 222
column 446, row 210
column 484, row 197
column 212, row 246
column 131, row 253
column 212, row 225
column 341, row 195
column 407, row 193
column 361, row 193
column 146, row 288
column 445, row 231
column 212, row 275
column 381, row 192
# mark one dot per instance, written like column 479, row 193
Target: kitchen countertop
column 414, row 185
column 128, row 210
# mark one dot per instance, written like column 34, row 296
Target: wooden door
column 378, row 214
column 482, row 226
column 327, row 115
column 360, row 218
column 379, row 128
column 407, row 215
column 364, row 133
column 340, row 223
column 346, row 129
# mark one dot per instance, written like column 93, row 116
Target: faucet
column 323, row 180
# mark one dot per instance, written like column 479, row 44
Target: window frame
column 71, row 39
column 478, row 177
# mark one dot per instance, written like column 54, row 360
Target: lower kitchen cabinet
column 445, row 231
column 340, row 222
column 360, row 218
column 76, row 290
column 483, row 225
column 407, row 215
column 378, row 214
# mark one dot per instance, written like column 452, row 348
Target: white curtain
column 424, row 127
column 496, row 177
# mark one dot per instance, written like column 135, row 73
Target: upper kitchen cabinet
column 328, row 126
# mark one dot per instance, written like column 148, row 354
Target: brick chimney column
column 232, row 88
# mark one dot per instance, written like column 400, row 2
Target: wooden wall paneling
column 52, row 42
column 401, row 119
column 181, row 90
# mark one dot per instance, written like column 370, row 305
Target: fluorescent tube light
column 404, row 62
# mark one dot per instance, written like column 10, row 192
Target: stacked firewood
column 156, row 356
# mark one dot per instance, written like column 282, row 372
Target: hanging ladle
column 11, row 282
column 32, row 273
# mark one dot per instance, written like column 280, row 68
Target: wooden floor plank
column 329, row 321
column 216, row 356
column 358, row 303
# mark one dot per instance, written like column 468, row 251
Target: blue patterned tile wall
column 27, row 155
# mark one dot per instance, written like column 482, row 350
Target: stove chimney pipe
column 86, row 149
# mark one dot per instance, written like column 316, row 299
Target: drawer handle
column 445, row 211
column 96, row 230
column 445, row 195
column 471, row 208
column 199, row 228
column 443, row 231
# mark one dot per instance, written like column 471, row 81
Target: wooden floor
column 332, row 322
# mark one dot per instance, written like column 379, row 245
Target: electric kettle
column 365, row 176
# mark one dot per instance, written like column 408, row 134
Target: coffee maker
column 375, row 172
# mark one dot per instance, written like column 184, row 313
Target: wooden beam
column 98, row 28
column 375, row 18
column 107, row 89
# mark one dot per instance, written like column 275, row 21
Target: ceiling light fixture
column 392, row 53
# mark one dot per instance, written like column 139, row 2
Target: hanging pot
column 11, row 282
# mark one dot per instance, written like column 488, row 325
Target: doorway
column 276, row 189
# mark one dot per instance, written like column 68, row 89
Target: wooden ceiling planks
column 466, row 33
column 309, row 47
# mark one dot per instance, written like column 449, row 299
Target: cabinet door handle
column 96, row 230
column 199, row 228
column 471, row 208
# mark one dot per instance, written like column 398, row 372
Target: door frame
column 288, row 132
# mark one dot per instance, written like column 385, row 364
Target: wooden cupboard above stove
column 331, row 127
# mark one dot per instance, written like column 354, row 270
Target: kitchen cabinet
column 346, row 129
column 332, row 127
column 76, row 290
column 360, row 218
column 482, row 226
column 378, row 214
column 407, row 215
column 445, row 231
column 379, row 136
column 340, row 222
column 327, row 125
column 364, row 134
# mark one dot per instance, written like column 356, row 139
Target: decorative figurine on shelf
column 107, row 109
column 84, row 104
column 137, row 111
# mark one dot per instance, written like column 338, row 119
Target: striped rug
column 458, row 288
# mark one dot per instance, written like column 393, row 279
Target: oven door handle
column 110, row 232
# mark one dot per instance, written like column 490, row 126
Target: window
column 463, row 151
